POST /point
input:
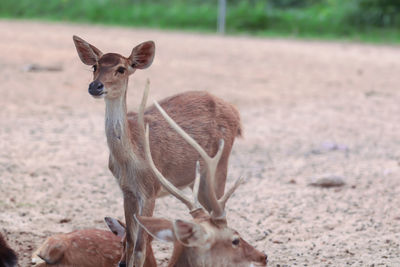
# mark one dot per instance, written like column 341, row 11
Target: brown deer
column 205, row 117
column 8, row 257
column 207, row 240
column 83, row 248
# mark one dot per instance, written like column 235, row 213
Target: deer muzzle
column 96, row 88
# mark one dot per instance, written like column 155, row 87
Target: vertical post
column 221, row 16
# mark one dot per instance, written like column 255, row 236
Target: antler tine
column 212, row 163
column 143, row 105
column 164, row 182
column 222, row 201
column 196, row 185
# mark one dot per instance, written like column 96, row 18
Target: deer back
column 84, row 248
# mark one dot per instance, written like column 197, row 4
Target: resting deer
column 8, row 257
column 83, row 248
column 207, row 240
column 205, row 117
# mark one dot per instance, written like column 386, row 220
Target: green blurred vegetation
column 366, row 20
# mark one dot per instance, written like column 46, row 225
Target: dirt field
column 309, row 109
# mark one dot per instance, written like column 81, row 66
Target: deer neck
column 119, row 138
column 185, row 258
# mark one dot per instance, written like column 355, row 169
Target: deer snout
column 122, row 264
column 96, row 88
column 261, row 260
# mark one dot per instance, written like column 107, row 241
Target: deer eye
column 121, row 70
column 94, row 68
column 235, row 241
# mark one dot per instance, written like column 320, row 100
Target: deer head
column 111, row 71
column 206, row 240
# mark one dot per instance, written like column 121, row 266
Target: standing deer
column 83, row 248
column 207, row 240
column 8, row 257
column 205, row 117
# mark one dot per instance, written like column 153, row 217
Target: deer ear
column 142, row 55
column 115, row 226
column 160, row 229
column 88, row 53
column 189, row 234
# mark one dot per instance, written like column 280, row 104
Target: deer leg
column 131, row 206
column 150, row 259
column 143, row 253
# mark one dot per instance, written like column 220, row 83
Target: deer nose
column 96, row 88
column 122, row 264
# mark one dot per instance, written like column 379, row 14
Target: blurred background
column 312, row 111
column 366, row 20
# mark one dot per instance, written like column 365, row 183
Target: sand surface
column 309, row 109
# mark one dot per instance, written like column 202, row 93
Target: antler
column 211, row 163
column 217, row 206
column 192, row 206
column 222, row 201
column 143, row 106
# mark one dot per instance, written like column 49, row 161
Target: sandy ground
column 309, row 109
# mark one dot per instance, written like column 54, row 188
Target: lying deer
column 83, row 248
column 205, row 117
column 206, row 241
column 8, row 257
